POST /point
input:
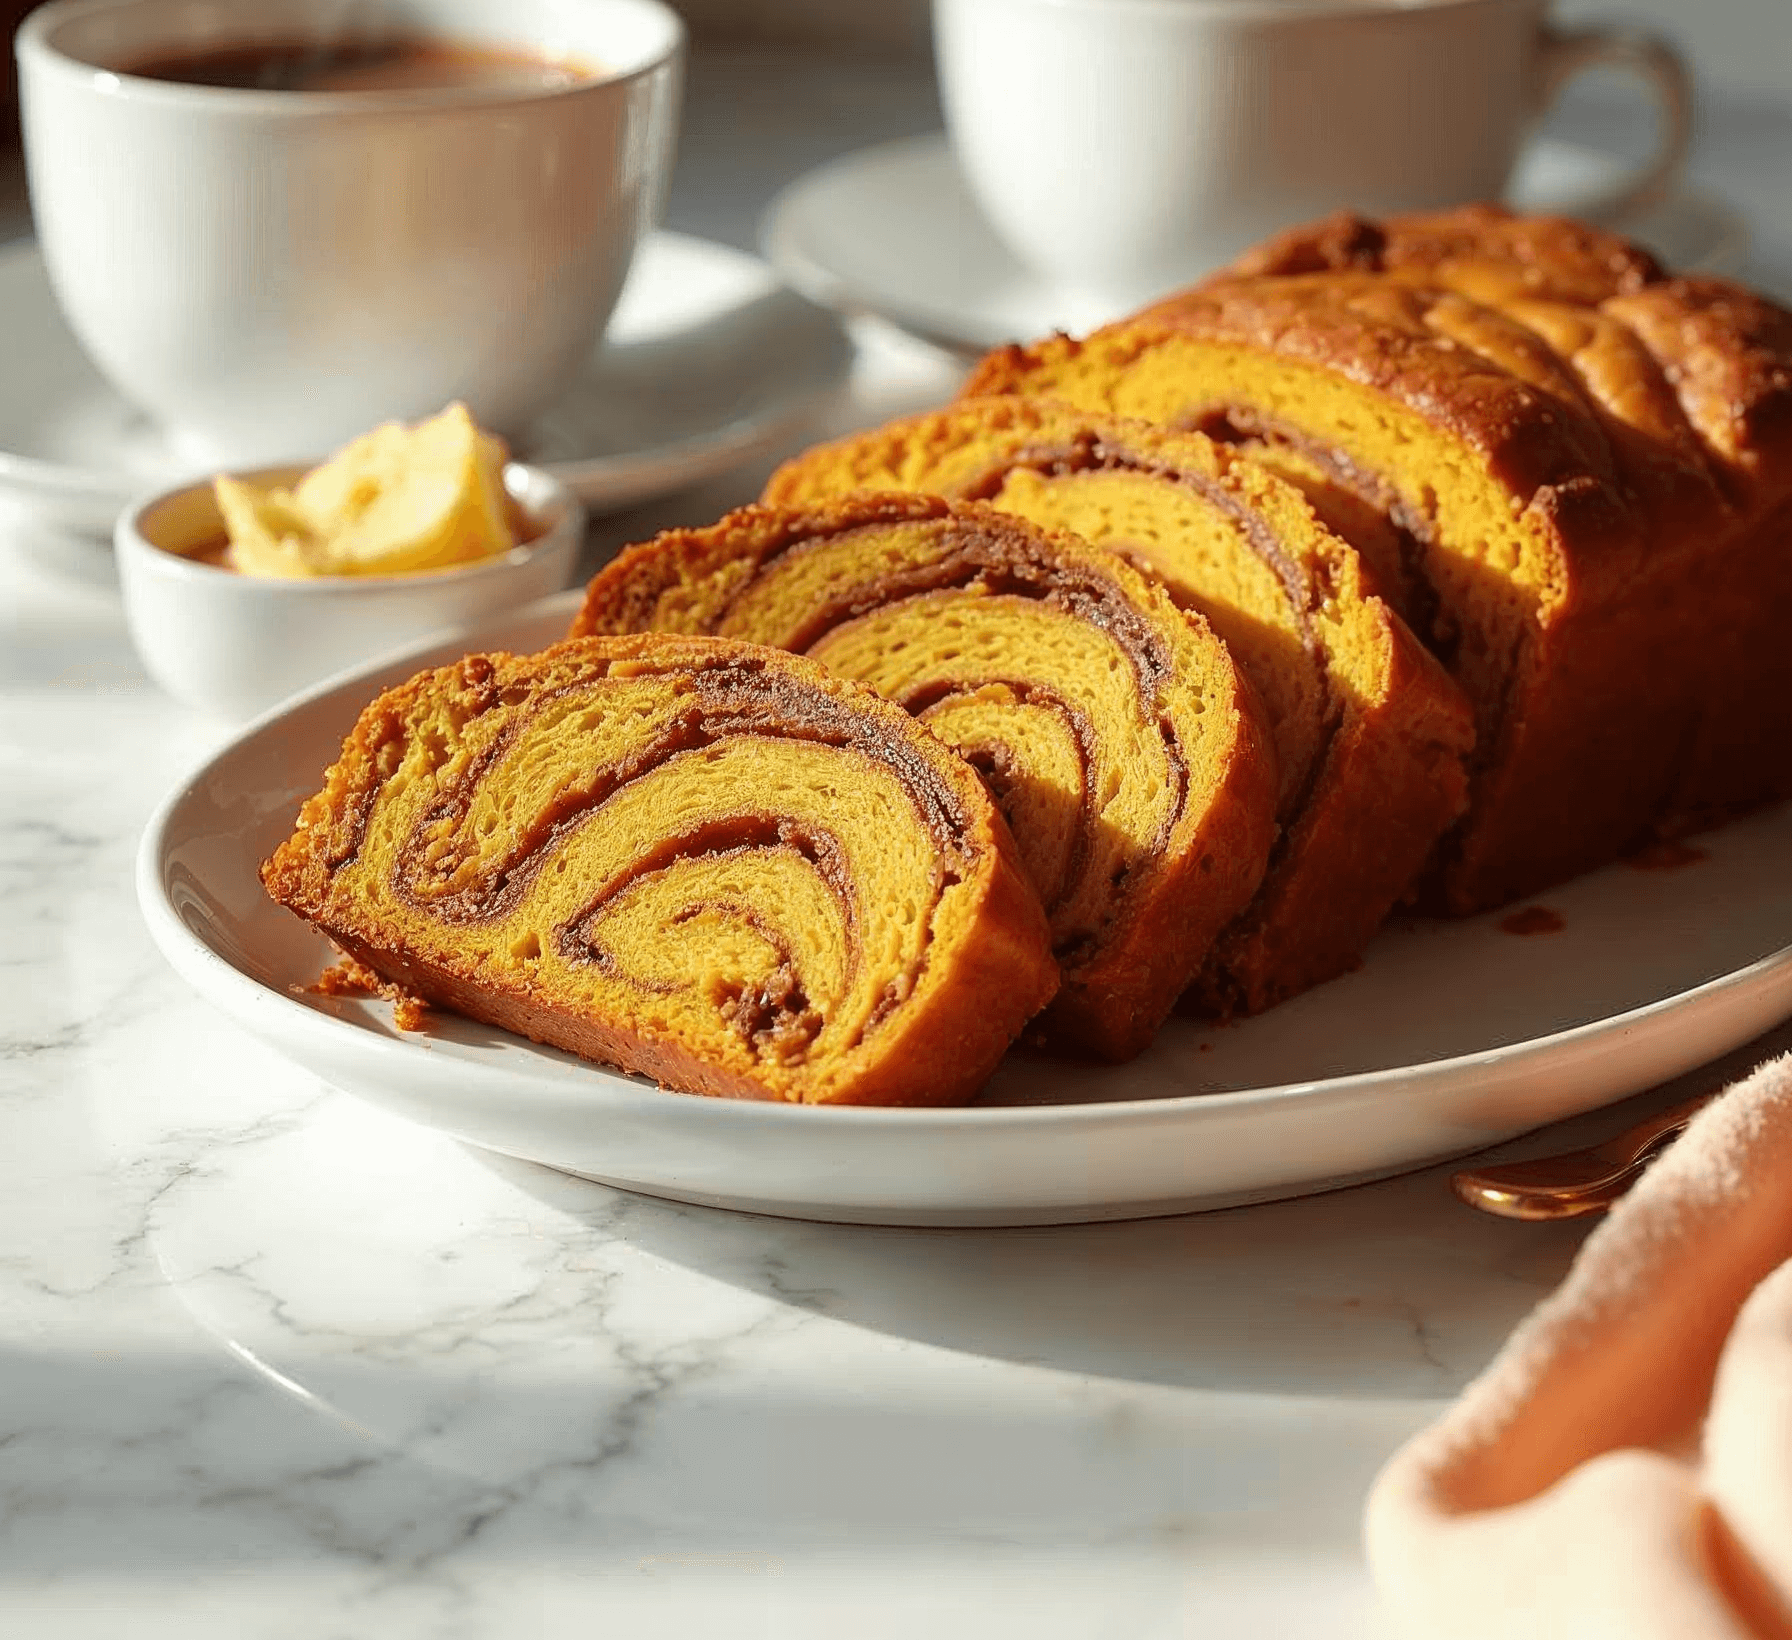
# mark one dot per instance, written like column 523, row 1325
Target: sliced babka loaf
column 1560, row 497
column 1116, row 732
column 1369, row 731
column 711, row 863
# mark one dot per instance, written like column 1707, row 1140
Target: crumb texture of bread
column 1131, row 757
column 713, row 864
column 1370, row 733
column 1567, row 471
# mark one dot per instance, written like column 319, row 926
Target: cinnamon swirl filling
column 1116, row 734
column 717, row 861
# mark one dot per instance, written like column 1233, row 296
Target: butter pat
column 398, row 501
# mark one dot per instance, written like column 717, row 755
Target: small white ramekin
column 235, row 645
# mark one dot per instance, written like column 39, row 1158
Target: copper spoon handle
column 1580, row 1181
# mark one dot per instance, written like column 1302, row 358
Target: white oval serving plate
column 1450, row 1037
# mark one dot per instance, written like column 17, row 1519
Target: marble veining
column 275, row 1361
column 275, row 1364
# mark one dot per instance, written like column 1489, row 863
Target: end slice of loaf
column 713, row 864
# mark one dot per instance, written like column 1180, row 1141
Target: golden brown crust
column 1636, row 428
column 1351, row 855
column 469, row 915
column 1480, row 250
column 1722, row 351
column 1128, row 947
column 1727, row 353
column 1392, row 783
column 1741, row 753
column 1471, row 372
column 1372, row 769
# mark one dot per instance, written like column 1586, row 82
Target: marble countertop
column 274, row 1364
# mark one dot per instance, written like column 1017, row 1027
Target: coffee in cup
column 358, row 62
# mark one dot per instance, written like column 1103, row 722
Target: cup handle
column 1563, row 53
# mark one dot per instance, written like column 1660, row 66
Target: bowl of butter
column 247, row 588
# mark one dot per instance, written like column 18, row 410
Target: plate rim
column 786, row 251
column 201, row 964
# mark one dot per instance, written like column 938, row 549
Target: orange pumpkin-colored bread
column 1370, row 732
column 1127, row 751
column 710, row 863
column 1571, row 473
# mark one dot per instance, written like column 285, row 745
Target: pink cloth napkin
column 1623, row 1469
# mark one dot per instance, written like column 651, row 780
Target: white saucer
column 892, row 231
column 1451, row 1036
column 709, row 360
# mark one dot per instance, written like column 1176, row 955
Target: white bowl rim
column 553, row 502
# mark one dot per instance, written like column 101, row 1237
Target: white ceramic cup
column 1122, row 147
column 273, row 272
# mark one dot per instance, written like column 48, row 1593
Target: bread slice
column 710, row 863
column 1128, row 752
column 1369, row 731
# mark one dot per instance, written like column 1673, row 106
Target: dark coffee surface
column 385, row 63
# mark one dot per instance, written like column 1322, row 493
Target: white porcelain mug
column 1122, row 147
column 273, row 272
